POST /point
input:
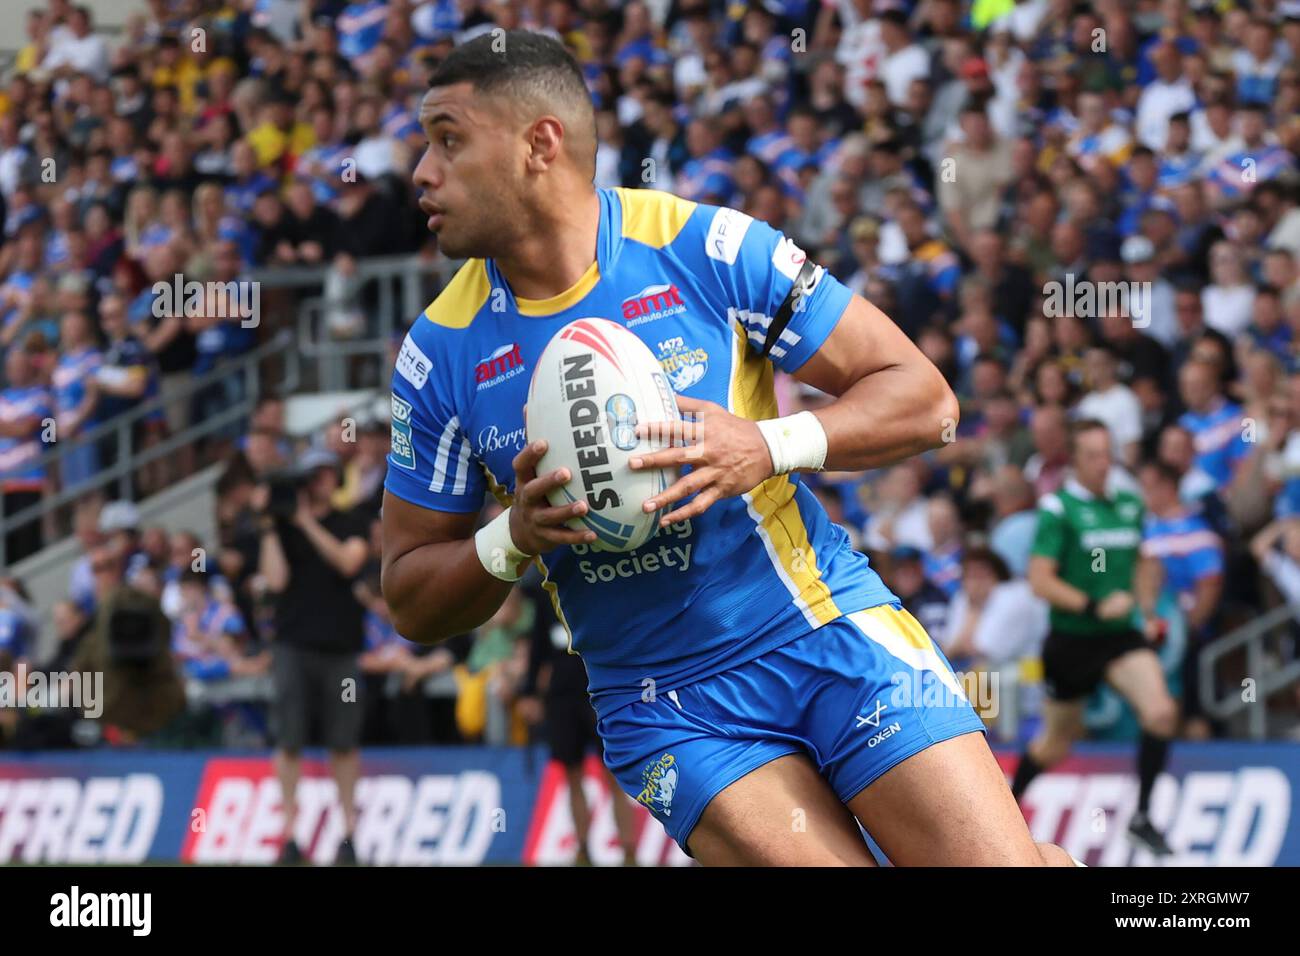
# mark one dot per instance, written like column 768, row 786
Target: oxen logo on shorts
column 659, row 783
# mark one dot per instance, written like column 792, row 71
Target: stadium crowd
column 1077, row 210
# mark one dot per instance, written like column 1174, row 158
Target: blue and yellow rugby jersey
column 699, row 285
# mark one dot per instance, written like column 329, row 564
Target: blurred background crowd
column 966, row 166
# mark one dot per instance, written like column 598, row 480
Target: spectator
column 1281, row 564
column 901, row 515
column 928, row 603
column 1228, row 300
column 126, row 377
column 25, row 426
column 209, row 636
column 994, row 620
column 129, row 643
column 1011, row 535
column 75, row 397
column 1112, row 403
column 970, row 200
column 1213, row 422
column 308, row 556
column 942, row 560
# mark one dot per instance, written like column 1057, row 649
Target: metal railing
column 122, row 429
column 402, row 286
column 1255, row 637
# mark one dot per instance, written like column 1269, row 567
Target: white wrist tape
column 496, row 549
column 795, row 442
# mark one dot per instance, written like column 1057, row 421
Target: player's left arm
column 890, row 403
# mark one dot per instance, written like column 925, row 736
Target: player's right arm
column 434, row 577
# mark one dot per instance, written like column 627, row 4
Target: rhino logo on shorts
column 660, row 784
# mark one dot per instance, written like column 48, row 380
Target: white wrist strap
column 795, row 442
column 496, row 549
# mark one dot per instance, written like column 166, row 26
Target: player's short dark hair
column 1082, row 426
column 523, row 67
column 517, row 61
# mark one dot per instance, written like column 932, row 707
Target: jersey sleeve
column 760, row 273
column 1049, row 536
column 430, row 463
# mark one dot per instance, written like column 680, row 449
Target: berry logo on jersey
column 651, row 303
column 659, row 781
column 492, row 438
column 403, row 449
column 506, row 362
column 684, row 366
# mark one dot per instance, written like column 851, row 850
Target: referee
column 1085, row 564
column 555, row 692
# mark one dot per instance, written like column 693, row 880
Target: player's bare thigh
column 782, row 814
column 948, row 805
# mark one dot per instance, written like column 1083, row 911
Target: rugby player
column 745, row 664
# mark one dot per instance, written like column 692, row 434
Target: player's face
column 468, row 177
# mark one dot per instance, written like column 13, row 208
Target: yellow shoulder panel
column 463, row 296
column 653, row 217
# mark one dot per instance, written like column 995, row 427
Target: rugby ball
column 593, row 384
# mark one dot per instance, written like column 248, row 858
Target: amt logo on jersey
column 506, row 362
column 651, row 303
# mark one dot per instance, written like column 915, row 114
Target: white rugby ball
column 593, row 384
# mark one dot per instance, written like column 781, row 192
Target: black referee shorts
column 571, row 728
column 1074, row 664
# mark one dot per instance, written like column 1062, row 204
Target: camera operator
column 308, row 554
column 130, row 643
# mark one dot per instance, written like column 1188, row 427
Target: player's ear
column 546, row 139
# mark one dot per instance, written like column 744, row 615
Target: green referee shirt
column 1094, row 542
